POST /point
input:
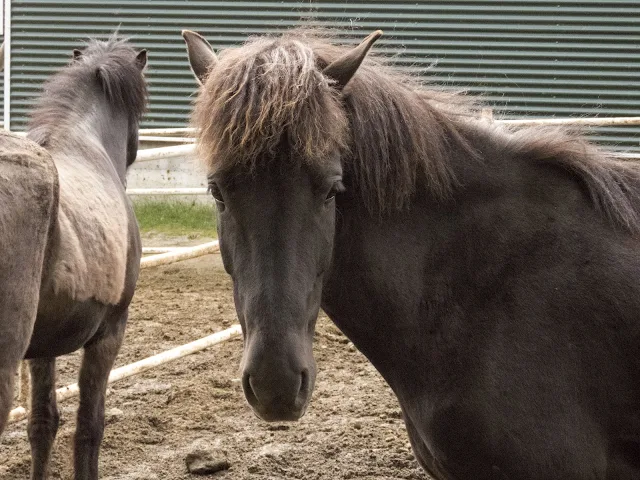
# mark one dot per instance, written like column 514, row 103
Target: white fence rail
column 185, row 134
column 167, row 191
column 594, row 121
column 140, row 366
column 149, row 154
column 178, row 150
column 180, row 255
column 156, row 250
column 184, row 131
column 152, row 138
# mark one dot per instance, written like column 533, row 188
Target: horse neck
column 399, row 281
column 93, row 129
column 368, row 274
column 380, row 292
column 111, row 129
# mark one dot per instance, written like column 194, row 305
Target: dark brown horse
column 70, row 242
column 491, row 276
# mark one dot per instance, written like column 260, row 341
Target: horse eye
column 335, row 189
column 215, row 192
column 331, row 195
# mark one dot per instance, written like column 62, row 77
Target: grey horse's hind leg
column 44, row 417
column 7, row 379
column 17, row 315
column 97, row 361
column 19, row 291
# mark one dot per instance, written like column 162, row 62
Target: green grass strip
column 176, row 218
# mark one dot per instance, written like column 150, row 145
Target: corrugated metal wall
column 526, row 57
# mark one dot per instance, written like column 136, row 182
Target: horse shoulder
column 93, row 232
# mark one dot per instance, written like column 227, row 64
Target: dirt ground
column 353, row 428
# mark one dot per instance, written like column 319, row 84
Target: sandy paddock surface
column 353, row 428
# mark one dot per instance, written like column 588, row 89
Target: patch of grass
column 176, row 218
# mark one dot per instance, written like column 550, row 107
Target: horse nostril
column 248, row 389
column 304, row 382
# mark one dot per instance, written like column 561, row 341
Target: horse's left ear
column 344, row 67
column 141, row 59
column 2, row 56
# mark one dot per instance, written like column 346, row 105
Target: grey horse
column 70, row 242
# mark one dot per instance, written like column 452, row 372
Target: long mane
column 104, row 68
column 392, row 132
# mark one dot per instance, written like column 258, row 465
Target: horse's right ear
column 201, row 55
column 2, row 56
column 77, row 54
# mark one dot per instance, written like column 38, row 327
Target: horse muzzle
column 278, row 396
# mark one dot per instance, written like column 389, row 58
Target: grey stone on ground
column 114, row 412
column 113, row 415
column 203, row 462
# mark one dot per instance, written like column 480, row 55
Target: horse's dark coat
column 86, row 121
column 492, row 277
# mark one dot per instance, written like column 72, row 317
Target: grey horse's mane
column 105, row 67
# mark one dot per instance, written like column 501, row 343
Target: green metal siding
column 537, row 58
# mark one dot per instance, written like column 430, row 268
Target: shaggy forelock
column 265, row 93
column 270, row 96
